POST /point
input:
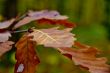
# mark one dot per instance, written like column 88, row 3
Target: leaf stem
column 19, row 31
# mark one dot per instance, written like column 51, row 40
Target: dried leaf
column 4, row 36
column 47, row 15
column 6, row 24
column 86, row 58
column 5, row 46
column 53, row 37
column 26, row 56
column 24, row 21
column 44, row 14
column 65, row 23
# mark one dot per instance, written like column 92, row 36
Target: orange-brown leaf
column 65, row 23
column 26, row 56
column 86, row 58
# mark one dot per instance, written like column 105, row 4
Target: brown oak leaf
column 53, row 37
column 65, row 23
column 27, row 59
column 44, row 14
column 85, row 57
column 5, row 46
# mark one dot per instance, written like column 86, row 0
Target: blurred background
column 92, row 18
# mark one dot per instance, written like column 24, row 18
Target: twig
column 19, row 31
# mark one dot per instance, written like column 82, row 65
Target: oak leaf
column 6, row 24
column 27, row 59
column 5, row 46
column 47, row 15
column 4, row 36
column 65, row 23
column 53, row 37
column 85, row 57
column 37, row 15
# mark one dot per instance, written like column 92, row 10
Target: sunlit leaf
column 53, row 37
column 85, row 57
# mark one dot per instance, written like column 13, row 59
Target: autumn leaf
column 47, row 15
column 65, row 23
column 5, row 46
column 85, row 57
column 6, row 24
column 53, row 37
column 26, row 57
column 4, row 36
column 24, row 21
column 37, row 15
